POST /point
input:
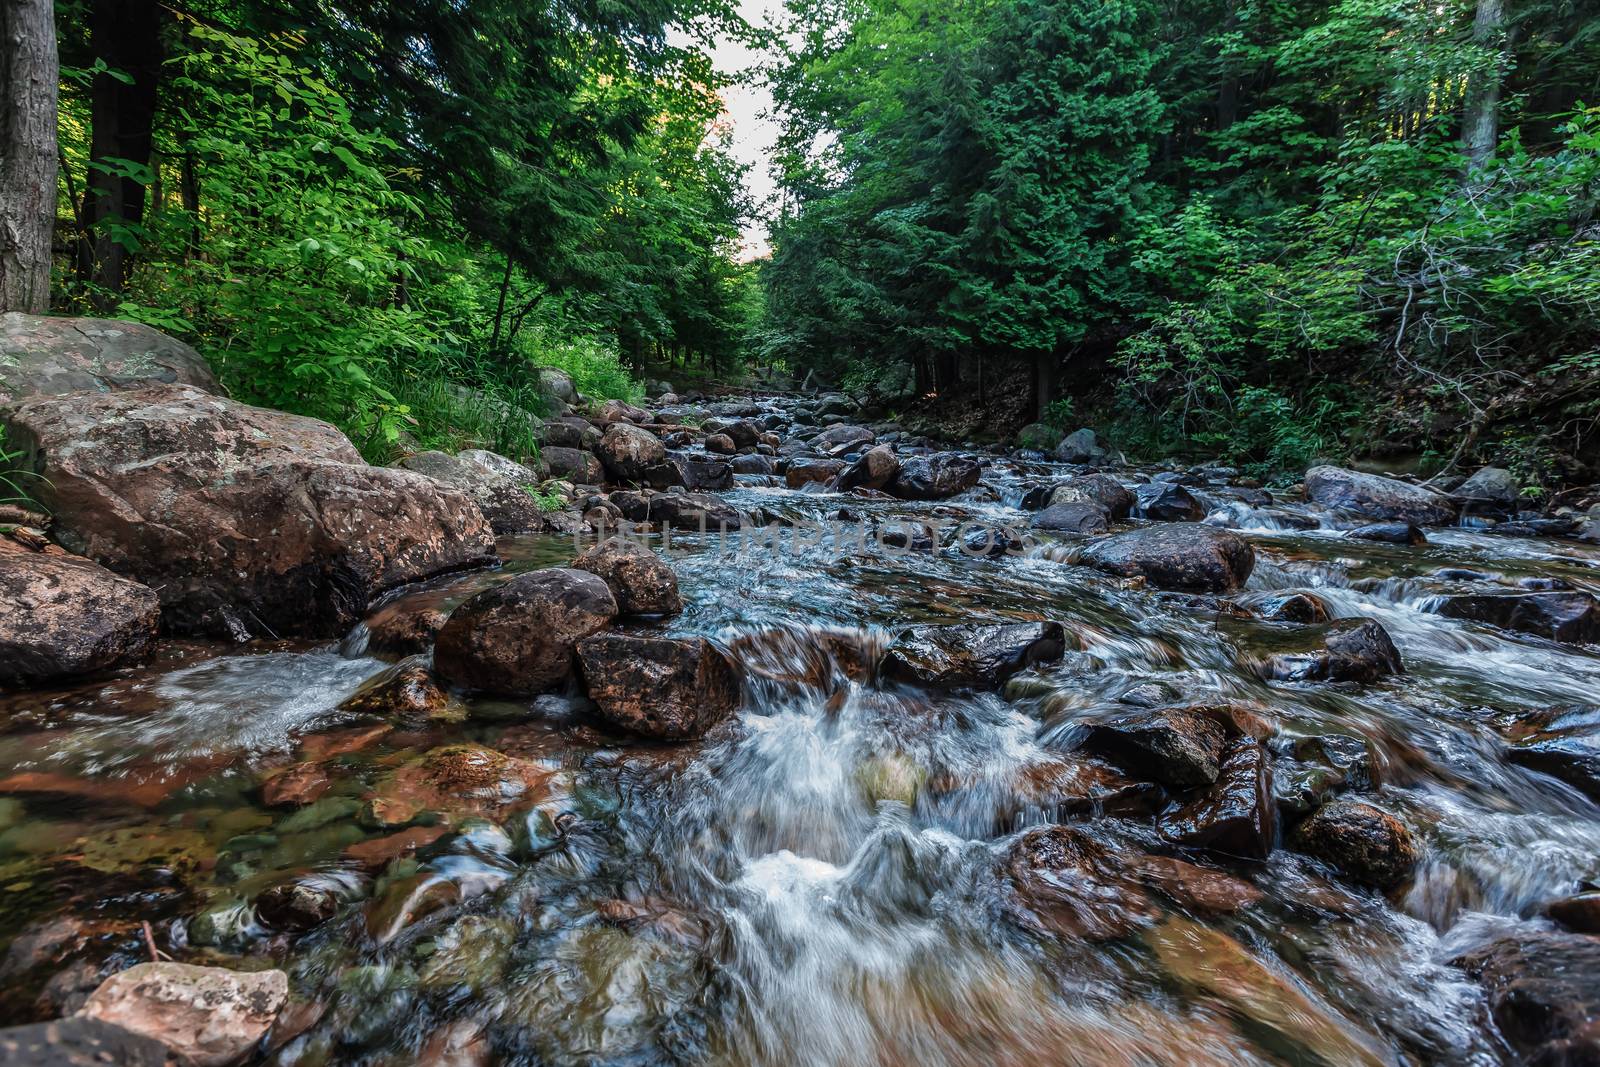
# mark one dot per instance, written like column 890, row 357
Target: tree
column 1481, row 125
column 29, row 76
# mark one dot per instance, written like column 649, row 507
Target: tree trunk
column 29, row 77
column 1480, row 126
column 1046, row 366
column 126, row 34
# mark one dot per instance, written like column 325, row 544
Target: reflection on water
column 823, row 880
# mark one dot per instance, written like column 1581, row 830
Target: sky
column 753, row 136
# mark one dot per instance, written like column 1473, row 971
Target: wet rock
column 742, row 432
column 1177, row 556
column 1080, row 517
column 1493, row 486
column 376, row 853
column 1389, row 533
column 1563, row 743
column 245, row 521
column 668, row 688
column 642, row 582
column 993, row 542
column 721, row 444
column 80, row 1042
column 50, row 356
column 455, row 781
column 934, row 477
column 1174, row 746
column 803, row 470
column 976, row 656
column 631, row 454
column 1235, row 814
column 1167, row 502
column 1348, row 650
column 837, row 440
column 498, row 486
column 1217, row 966
column 406, row 901
column 209, row 1016
column 1080, row 446
column 407, row 692
column 706, row 473
column 1067, row 883
column 574, row 464
column 296, row 785
column 1378, row 497
column 517, row 637
column 1365, row 844
column 694, row 511
column 750, row 465
column 1101, row 489
column 298, row 906
column 1544, row 993
column 66, row 616
column 1573, row 617
column 1198, row 890
column 876, row 468
column 404, row 628
column 1297, row 607
column 1579, row 913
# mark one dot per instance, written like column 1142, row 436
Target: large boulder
column 629, row 452
column 66, row 616
column 571, row 431
column 803, row 470
column 642, row 582
column 557, row 384
column 1181, row 556
column 499, row 486
column 1563, row 743
column 245, row 521
column 572, row 464
column 668, row 688
column 875, row 469
column 976, row 656
column 1378, row 497
column 209, row 1016
column 50, row 356
column 842, row 438
column 1346, row 650
column 1544, row 993
column 1080, row 446
column 1491, row 488
column 934, row 477
column 706, row 473
column 1078, row 517
column 1101, row 489
column 1573, row 616
column 694, row 512
column 1365, row 844
column 1173, row 746
column 517, row 637
column 1167, row 502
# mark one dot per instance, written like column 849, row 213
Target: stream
column 823, row 878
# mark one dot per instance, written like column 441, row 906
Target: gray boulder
column 1378, row 497
column 49, row 356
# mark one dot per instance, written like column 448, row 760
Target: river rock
column 642, row 582
column 803, row 470
column 707, row 473
column 615, row 411
column 405, row 627
column 1544, row 993
column 517, row 637
column 842, row 438
column 1167, row 502
column 1563, row 743
column 245, row 521
column 1079, row 517
column 721, row 444
column 742, row 432
column 1347, row 650
column 1492, row 486
column 499, row 486
column 1298, row 607
column 1080, row 446
column 573, row 464
column 66, row 616
column 1067, row 883
column 630, row 453
column 876, row 468
column 44, row 355
column 1378, row 497
column 1234, row 815
column 1579, row 913
column 1173, row 746
column 750, row 464
column 668, row 688
column 1182, row 556
column 1037, row 437
column 1389, row 533
column 455, row 782
column 407, row 692
column 557, row 383
column 1101, row 489
column 81, row 1042
column 570, row 431
column 1366, row 844
column 1573, row 617
column 297, row 906
column 694, row 512
column 209, row 1016
column 972, row 656
column 934, row 477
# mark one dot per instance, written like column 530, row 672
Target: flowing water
column 823, row 879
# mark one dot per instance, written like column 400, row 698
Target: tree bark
column 29, row 79
column 126, row 34
column 1480, row 126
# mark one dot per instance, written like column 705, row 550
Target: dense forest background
column 1270, row 230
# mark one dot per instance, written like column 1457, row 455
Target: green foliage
column 593, row 363
column 18, row 481
column 1058, row 414
column 551, row 499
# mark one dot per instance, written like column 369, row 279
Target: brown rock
column 1182, row 556
column 1169, row 745
column 1367, row 845
column 642, row 582
column 296, row 785
column 1579, row 913
column 1101, row 489
column 1066, row 882
column 210, row 1016
column 630, row 453
column 1377, row 497
column 578, row 465
column 405, row 627
column 407, row 692
column 1235, row 814
column 976, row 656
column 803, row 470
column 1544, row 993
column 379, row 852
column 456, row 781
column 66, row 616
column 517, row 637
column 935, row 477
column 875, row 469
column 721, row 444
column 1347, row 650
column 665, row 687
column 1573, row 617
column 245, row 521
